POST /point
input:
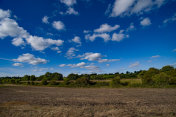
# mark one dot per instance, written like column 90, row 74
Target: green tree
column 147, row 77
column 32, row 78
column 57, row 76
column 161, row 79
column 73, row 76
column 44, row 82
column 167, row 68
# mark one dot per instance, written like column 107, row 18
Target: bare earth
column 28, row 101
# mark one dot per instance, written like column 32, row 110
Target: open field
column 33, row 101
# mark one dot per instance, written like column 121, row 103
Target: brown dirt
column 28, row 101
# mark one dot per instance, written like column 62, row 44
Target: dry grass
column 28, row 101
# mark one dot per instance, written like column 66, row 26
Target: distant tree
column 73, row 76
column 44, row 82
column 32, row 78
column 83, row 81
column 26, row 78
column 48, row 76
column 147, row 77
column 57, row 76
column 167, row 68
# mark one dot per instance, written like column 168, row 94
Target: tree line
column 151, row 77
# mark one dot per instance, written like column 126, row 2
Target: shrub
column 147, row 77
column 83, row 81
column 115, row 82
column 67, row 81
column 44, row 82
column 53, row 82
column 161, row 79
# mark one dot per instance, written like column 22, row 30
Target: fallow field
column 36, row 101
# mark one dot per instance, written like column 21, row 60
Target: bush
column 147, row 77
column 161, row 79
column 44, row 82
column 53, row 82
column 115, row 82
column 83, row 81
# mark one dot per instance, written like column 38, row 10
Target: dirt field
column 28, row 101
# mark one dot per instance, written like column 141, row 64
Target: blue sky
column 86, row 36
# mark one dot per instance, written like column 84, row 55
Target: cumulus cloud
column 4, row 14
column 77, row 40
column 129, row 7
column 118, row 37
column 45, row 19
column 95, row 57
column 104, row 36
column 18, row 41
column 156, row 56
column 71, row 11
column 71, row 52
column 39, row 43
column 58, row 25
column 10, row 28
column 30, row 59
column 106, row 28
column 17, row 64
column 134, row 64
column 145, row 22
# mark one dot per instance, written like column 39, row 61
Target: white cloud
column 18, row 41
column 30, row 59
column 68, row 2
column 56, row 49
column 39, row 43
column 58, row 25
column 4, row 14
column 134, row 64
column 118, row 37
column 142, row 5
column 71, row 11
column 9, row 27
column 45, row 19
column 95, row 57
column 171, row 19
column 129, row 7
column 156, row 56
column 86, row 31
column 81, row 65
column 121, row 6
column 106, row 28
column 145, row 22
column 62, row 65
column 104, row 36
column 71, row 52
column 107, row 60
column 76, row 39
column 17, row 64
column 91, row 56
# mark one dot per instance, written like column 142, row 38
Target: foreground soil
column 28, row 101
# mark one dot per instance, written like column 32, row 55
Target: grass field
column 33, row 101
